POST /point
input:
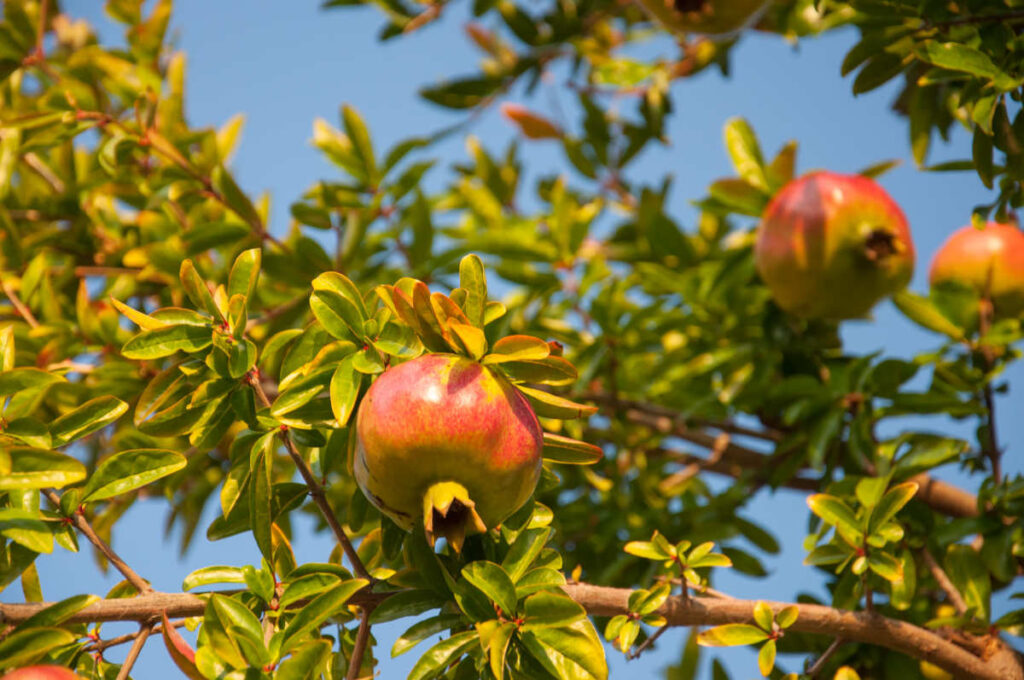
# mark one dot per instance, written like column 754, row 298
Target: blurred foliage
column 148, row 305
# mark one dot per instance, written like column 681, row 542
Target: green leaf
column 547, row 405
column 834, row 511
column 885, row 565
column 261, row 516
column 216, row 574
column 306, row 587
column 981, row 154
column 968, row 573
column 739, row 196
column 559, row 449
column 32, row 468
column 892, row 502
column 421, row 630
column 879, row 70
column 731, row 634
column 924, row 313
column 245, row 272
column 443, row 654
column 905, row 588
column 406, row 603
column 518, row 348
column 787, row 616
column 648, row 551
column 87, row 418
column 338, row 315
column 766, row 658
column 826, row 554
column 343, row 286
column 321, row 608
column 523, row 551
column 763, row 615
column 307, row 661
column 869, row 490
column 957, row 56
column 24, row 527
column 23, row 379
column 473, row 280
column 645, row 602
column 59, row 612
column 344, row 389
column 546, row 609
column 27, row 646
column 361, row 144
column 129, row 470
column 574, row 652
column 233, row 196
column 495, row 638
column 464, row 93
column 163, row 342
column 470, row 338
column 196, row 290
column 492, row 581
column 745, row 152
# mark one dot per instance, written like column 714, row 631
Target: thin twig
column 315, row 490
column 274, row 312
column 952, row 593
column 985, row 313
column 647, row 643
column 103, row 645
column 717, row 451
column 359, row 649
column 136, row 648
column 819, row 664
column 19, row 306
column 79, row 520
column 36, row 163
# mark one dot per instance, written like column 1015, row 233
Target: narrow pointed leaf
column 129, row 470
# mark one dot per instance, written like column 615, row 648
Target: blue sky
column 285, row 63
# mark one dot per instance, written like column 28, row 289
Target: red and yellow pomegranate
column 41, row 673
column 989, row 260
column 831, row 246
column 448, row 442
column 708, row 17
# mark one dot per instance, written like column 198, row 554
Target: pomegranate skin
column 444, row 418
column 989, row 259
column 831, row 246
column 41, row 673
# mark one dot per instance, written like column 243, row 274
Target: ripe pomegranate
column 831, row 246
column 710, row 17
column 989, row 260
column 444, row 440
column 41, row 673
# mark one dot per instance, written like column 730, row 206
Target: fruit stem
column 449, row 512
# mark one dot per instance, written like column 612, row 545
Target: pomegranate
column 41, row 673
column 989, row 260
column 448, row 442
column 710, row 17
column 831, row 246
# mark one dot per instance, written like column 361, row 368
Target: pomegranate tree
column 831, row 246
column 708, row 17
column 988, row 260
column 447, row 440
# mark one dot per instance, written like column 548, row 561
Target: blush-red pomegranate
column 41, row 673
column 449, row 442
column 831, row 246
column 989, row 260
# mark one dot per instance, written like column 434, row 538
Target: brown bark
column 997, row 662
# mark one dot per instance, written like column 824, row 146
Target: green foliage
column 139, row 277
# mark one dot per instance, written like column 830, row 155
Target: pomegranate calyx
column 449, row 512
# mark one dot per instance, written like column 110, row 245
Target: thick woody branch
column 736, row 459
column 874, row 629
column 136, row 649
column 359, row 649
column 851, row 626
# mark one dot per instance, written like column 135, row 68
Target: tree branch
column 82, row 524
column 955, row 598
column 736, row 459
column 316, row 491
column 359, row 649
column 862, row 627
column 19, row 306
column 134, row 651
